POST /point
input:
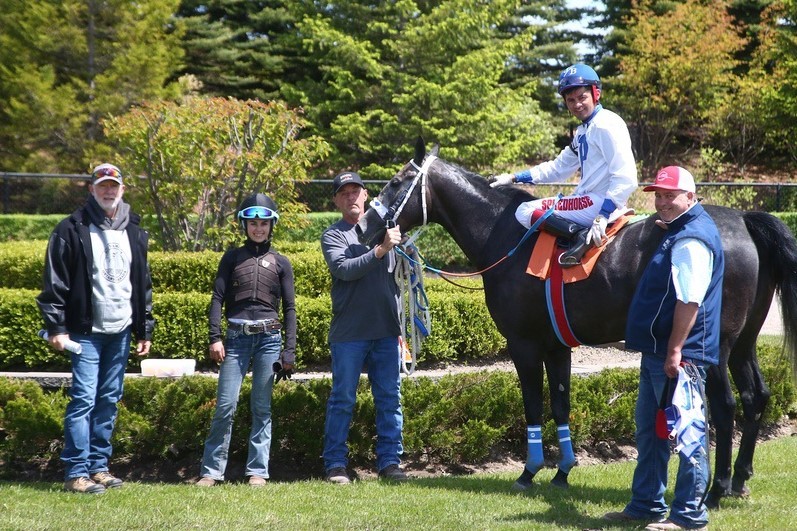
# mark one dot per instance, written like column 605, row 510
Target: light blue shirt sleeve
column 692, row 264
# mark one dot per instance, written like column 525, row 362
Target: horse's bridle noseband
column 392, row 212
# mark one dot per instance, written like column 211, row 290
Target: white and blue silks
column 689, row 430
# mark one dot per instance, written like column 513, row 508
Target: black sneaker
column 338, row 475
column 393, row 473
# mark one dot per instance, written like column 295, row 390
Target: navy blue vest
column 652, row 308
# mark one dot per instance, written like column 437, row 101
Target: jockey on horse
column 601, row 149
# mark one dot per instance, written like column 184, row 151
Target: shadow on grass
column 565, row 506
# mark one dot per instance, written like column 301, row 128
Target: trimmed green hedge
column 461, row 329
column 457, row 420
column 23, row 264
column 435, row 244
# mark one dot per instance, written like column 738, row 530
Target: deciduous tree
column 201, row 157
column 678, row 66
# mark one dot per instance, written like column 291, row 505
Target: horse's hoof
column 525, row 481
column 560, row 480
column 742, row 492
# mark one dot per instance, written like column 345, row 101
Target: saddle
column 544, row 264
column 546, row 253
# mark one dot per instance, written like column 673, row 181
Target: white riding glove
column 503, row 180
column 597, row 232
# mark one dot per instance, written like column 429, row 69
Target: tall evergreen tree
column 65, row 64
column 240, row 48
column 453, row 71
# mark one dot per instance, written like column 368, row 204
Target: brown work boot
column 256, row 481
column 107, row 480
column 83, row 485
column 205, row 482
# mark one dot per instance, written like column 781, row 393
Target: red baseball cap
column 672, row 178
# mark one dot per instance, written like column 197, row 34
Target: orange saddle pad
column 546, row 250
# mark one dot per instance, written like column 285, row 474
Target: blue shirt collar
column 598, row 107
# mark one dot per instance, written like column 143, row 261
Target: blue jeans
column 650, row 476
column 97, row 384
column 262, row 350
column 348, row 359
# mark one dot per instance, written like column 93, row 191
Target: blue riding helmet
column 578, row 75
column 258, row 206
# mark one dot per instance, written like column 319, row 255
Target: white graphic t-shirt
column 111, row 288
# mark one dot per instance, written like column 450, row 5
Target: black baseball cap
column 347, row 177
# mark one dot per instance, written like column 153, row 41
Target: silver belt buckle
column 251, row 329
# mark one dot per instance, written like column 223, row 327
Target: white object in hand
column 71, row 346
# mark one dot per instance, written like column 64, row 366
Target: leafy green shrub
column 457, row 419
column 22, row 264
column 23, row 227
column 317, row 222
column 171, row 417
column 20, row 347
column 461, row 417
column 31, row 419
column 777, row 372
column 461, row 329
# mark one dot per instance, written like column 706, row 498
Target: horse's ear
column 420, row 151
column 435, row 150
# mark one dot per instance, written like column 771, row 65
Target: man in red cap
column 676, row 327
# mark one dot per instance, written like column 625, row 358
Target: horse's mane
column 516, row 194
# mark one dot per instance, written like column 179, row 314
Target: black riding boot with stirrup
column 578, row 246
column 575, row 233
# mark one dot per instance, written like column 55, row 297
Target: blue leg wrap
column 535, row 460
column 568, row 459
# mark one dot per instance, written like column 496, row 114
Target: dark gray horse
column 760, row 257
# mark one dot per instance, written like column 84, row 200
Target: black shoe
column 338, row 475
column 393, row 473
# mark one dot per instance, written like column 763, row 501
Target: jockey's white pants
column 581, row 209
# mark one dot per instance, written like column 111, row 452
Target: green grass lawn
column 455, row 502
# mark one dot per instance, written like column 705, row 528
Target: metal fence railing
column 42, row 193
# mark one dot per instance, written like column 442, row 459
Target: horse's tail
column 777, row 245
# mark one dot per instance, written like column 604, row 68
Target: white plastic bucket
column 167, row 368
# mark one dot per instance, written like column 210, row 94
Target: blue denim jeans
column 348, row 360
column 650, row 476
column 97, row 384
column 262, row 350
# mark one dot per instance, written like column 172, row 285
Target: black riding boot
column 573, row 232
column 578, row 246
column 560, row 227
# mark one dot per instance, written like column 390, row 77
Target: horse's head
column 401, row 202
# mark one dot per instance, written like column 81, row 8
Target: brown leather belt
column 270, row 326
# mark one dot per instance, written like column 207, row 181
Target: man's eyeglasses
column 257, row 212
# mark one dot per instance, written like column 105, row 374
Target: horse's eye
column 395, row 181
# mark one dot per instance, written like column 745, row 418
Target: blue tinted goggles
column 257, row 212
